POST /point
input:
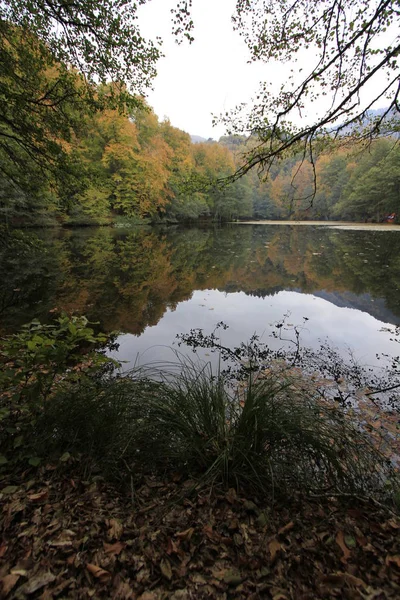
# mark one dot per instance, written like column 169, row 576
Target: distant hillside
column 197, row 139
column 386, row 127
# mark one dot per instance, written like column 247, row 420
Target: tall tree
column 53, row 53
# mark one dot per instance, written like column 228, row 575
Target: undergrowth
column 272, row 435
column 269, row 431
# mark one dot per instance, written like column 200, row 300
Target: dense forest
column 120, row 164
column 77, row 150
column 133, row 167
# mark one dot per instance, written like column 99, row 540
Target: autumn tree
column 52, row 56
column 373, row 188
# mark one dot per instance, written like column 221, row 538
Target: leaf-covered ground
column 67, row 538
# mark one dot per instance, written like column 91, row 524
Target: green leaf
column 18, row 441
column 10, row 489
column 35, row 461
column 350, row 541
column 4, row 412
column 3, row 460
column 66, row 456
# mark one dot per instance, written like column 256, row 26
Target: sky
column 212, row 75
column 207, row 77
column 345, row 328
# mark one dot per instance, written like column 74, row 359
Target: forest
column 79, row 144
column 264, row 471
column 129, row 167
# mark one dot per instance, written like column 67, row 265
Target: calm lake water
column 151, row 284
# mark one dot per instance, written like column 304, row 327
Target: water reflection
column 346, row 329
column 250, row 274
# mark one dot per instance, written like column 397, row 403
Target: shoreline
column 329, row 224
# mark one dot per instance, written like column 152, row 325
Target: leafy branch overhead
column 347, row 55
column 101, row 39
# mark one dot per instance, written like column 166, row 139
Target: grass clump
column 270, row 435
column 268, row 431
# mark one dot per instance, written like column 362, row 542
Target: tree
column 53, row 54
column 373, row 190
column 349, row 45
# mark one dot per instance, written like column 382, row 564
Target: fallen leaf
column 114, row 549
column 116, row 529
column 98, row 572
column 353, row 580
column 60, row 543
column 185, row 535
column 286, row 528
column 343, row 547
column 123, row 592
column 39, row 496
column 339, row 579
column 395, row 559
column 231, row 495
column 37, row 582
column 166, row 569
column 394, row 523
column 232, row 577
column 171, row 547
column 199, row 579
column 274, row 547
column 10, row 489
column 7, row 584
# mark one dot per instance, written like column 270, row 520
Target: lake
column 152, row 283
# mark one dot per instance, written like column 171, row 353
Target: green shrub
column 268, row 431
column 37, row 363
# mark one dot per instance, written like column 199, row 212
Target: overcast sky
column 209, row 76
column 213, row 75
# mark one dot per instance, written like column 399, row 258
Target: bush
column 36, row 364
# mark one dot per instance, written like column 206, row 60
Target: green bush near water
column 271, row 434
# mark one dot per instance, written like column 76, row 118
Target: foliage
column 271, row 435
column 35, row 362
column 346, row 49
column 53, row 56
column 127, row 164
column 268, row 430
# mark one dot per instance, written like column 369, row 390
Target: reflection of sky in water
column 245, row 315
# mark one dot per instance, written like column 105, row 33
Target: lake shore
column 330, row 225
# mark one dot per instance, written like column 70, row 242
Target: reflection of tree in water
column 31, row 270
column 127, row 280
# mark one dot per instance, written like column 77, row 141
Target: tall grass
column 271, row 434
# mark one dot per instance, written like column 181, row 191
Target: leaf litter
column 65, row 537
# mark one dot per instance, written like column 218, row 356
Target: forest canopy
column 53, row 56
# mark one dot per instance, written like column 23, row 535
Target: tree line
column 128, row 166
